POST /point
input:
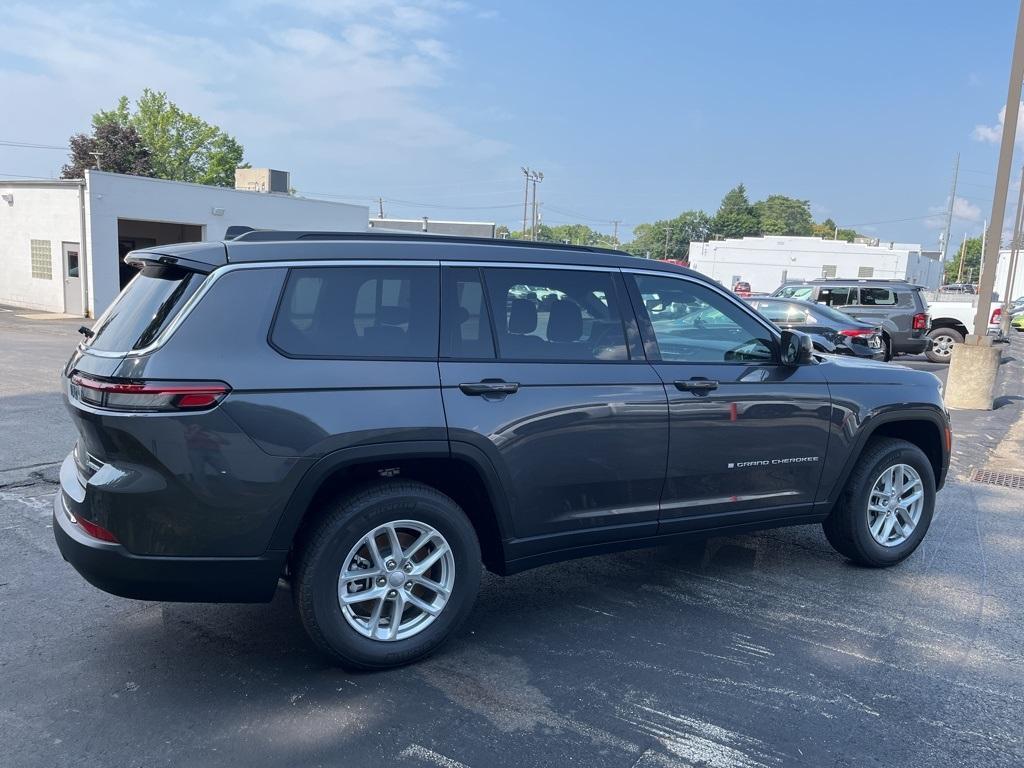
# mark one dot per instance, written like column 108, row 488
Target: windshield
column 795, row 292
column 144, row 308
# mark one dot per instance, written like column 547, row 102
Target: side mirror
column 796, row 349
column 823, row 345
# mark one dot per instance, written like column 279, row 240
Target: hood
column 842, row 369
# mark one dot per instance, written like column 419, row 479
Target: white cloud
column 993, row 134
column 964, row 212
column 340, row 91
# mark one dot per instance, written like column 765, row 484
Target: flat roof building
column 62, row 241
column 435, row 226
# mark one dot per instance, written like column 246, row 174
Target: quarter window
column 359, row 312
column 554, row 314
column 695, row 324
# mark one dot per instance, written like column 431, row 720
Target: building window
column 42, row 261
column 865, row 271
column 828, row 270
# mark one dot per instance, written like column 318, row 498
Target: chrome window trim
column 773, row 330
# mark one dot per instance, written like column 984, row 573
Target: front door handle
column 490, row 387
column 697, row 386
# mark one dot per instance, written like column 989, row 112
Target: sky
column 634, row 111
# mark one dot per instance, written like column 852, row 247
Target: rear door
column 747, row 435
column 542, row 372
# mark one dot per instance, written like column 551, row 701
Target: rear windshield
column 144, row 308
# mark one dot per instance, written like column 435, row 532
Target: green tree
column 827, row 230
column 119, row 147
column 183, row 147
column 670, row 238
column 736, row 217
column 972, row 262
column 781, row 215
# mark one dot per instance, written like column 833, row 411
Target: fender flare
column 867, row 431
column 313, row 479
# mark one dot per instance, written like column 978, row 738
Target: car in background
column 967, row 288
column 742, row 288
column 897, row 307
column 831, row 330
column 1017, row 323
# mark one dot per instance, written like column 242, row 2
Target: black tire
column 338, row 529
column 846, row 528
column 887, row 346
column 952, row 335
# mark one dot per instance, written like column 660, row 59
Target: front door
column 72, row 280
column 747, row 435
column 543, row 372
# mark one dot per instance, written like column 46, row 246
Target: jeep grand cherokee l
column 373, row 417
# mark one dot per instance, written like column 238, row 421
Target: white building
column 767, row 262
column 61, row 242
column 435, row 226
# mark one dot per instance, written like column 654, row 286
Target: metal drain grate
column 992, row 477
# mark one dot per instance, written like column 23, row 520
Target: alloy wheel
column 895, row 505
column 396, row 580
column 942, row 345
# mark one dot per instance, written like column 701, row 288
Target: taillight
column 921, row 321
column 148, row 395
column 996, row 314
column 857, row 332
column 96, row 531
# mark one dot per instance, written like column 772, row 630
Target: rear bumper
column 911, row 346
column 114, row 569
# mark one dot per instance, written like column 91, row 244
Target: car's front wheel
column 941, row 347
column 887, row 504
column 386, row 574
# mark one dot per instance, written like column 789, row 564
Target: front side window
column 695, row 324
column 359, row 312
column 555, row 314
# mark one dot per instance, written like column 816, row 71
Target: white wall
column 765, row 262
column 113, row 196
column 41, row 211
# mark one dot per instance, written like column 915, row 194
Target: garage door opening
column 133, row 234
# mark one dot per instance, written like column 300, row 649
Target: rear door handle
column 697, row 386
column 487, row 387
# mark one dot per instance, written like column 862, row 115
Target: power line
column 27, row 145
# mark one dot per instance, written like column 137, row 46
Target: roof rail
column 275, row 235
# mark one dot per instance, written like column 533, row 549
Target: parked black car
column 371, row 416
column 897, row 307
column 832, row 331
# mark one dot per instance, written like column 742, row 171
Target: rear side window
column 877, row 297
column 359, row 312
column 779, row 312
column 837, row 297
column 465, row 325
column 556, row 314
column 145, row 307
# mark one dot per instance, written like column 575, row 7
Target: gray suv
column 374, row 417
column 896, row 306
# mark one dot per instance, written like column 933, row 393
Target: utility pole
column 668, row 229
column 1011, row 265
column 974, row 365
column 984, row 237
column 990, row 258
column 380, row 204
column 615, row 232
column 526, row 194
column 533, row 177
column 963, row 250
column 949, row 211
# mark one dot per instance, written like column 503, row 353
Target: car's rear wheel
column 887, row 504
column 887, row 347
column 942, row 341
column 386, row 574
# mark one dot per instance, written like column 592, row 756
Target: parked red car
column 741, row 289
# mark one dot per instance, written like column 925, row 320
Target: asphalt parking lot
column 760, row 650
